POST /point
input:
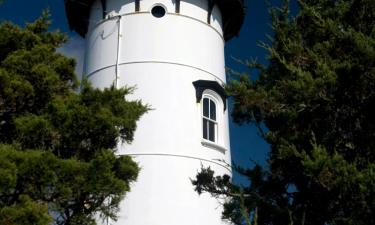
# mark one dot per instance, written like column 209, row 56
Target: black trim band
column 137, row 5
column 211, row 5
column 177, row 6
column 104, row 8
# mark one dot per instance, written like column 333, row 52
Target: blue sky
column 245, row 142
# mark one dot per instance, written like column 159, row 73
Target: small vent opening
column 158, row 11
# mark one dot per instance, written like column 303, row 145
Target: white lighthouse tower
column 172, row 51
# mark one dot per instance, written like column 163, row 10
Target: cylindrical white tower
column 173, row 53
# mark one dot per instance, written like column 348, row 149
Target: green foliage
column 25, row 212
column 57, row 146
column 316, row 98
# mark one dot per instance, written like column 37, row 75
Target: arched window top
column 211, row 87
column 209, row 107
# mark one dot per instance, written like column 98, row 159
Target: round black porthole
column 158, row 11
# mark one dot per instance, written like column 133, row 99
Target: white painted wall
column 162, row 57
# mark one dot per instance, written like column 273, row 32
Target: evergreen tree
column 316, row 99
column 57, row 161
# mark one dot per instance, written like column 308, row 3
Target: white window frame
column 219, row 142
column 210, row 120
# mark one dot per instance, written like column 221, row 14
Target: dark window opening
column 158, row 11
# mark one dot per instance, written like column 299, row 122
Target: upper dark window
column 158, row 11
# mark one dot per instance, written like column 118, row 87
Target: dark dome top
column 233, row 13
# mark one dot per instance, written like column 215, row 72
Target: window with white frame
column 209, row 119
column 211, row 97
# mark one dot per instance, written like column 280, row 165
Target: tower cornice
column 232, row 11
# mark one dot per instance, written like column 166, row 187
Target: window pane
column 205, row 128
column 212, row 110
column 205, row 107
column 211, row 131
